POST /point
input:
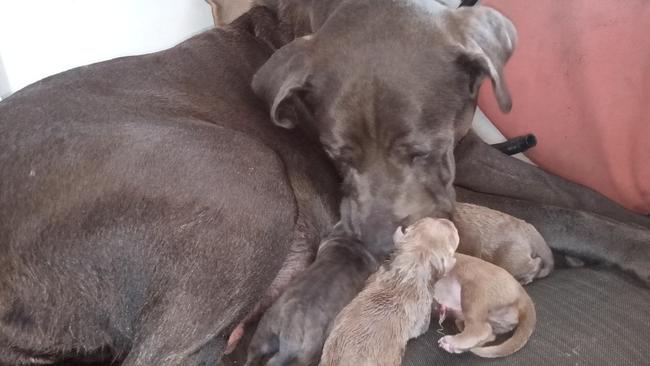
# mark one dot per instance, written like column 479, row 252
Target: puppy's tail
column 527, row 320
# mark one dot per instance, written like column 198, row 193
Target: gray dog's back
column 128, row 185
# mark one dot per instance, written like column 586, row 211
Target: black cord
column 517, row 145
column 468, row 3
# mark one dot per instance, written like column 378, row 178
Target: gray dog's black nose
column 379, row 239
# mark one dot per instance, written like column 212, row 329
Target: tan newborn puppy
column 501, row 239
column 485, row 300
column 395, row 305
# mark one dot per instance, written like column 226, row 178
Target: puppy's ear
column 450, row 228
column 281, row 79
column 487, row 40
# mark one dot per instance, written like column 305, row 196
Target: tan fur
column 225, row 11
column 501, row 239
column 396, row 304
column 486, row 301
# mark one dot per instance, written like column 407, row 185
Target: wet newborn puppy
column 485, row 300
column 298, row 321
column 396, row 304
column 501, row 239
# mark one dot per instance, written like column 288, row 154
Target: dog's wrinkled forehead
column 400, row 83
column 388, row 99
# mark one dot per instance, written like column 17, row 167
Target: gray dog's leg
column 578, row 233
column 482, row 168
column 301, row 254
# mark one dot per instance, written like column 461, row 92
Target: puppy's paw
column 291, row 331
column 447, row 343
column 264, row 344
column 526, row 278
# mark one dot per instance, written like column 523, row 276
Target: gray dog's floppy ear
column 487, row 41
column 281, row 78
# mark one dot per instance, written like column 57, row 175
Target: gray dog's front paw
column 290, row 343
column 293, row 330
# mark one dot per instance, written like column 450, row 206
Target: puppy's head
column 432, row 240
column 388, row 88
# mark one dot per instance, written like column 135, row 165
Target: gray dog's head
column 389, row 88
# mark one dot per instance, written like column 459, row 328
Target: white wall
column 39, row 38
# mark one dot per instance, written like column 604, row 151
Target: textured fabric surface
column 584, row 317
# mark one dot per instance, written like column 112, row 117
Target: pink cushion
column 580, row 81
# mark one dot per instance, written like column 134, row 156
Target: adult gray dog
column 146, row 202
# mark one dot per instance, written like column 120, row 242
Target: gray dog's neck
column 301, row 17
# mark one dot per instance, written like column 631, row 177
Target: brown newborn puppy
column 395, row 306
column 485, row 300
column 501, row 239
